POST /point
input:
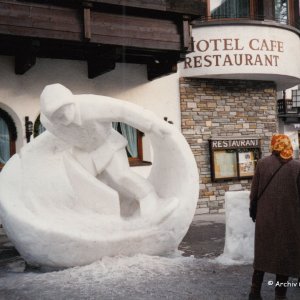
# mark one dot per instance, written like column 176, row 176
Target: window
column 281, row 11
column 220, row 9
column 296, row 98
column 134, row 147
column 134, row 137
column 8, row 136
column 38, row 127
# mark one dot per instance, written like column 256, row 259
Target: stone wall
column 224, row 108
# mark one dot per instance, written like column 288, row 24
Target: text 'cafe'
column 235, row 46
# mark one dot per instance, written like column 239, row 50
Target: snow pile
column 135, row 278
column 109, row 271
column 239, row 236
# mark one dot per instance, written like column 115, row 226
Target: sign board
column 237, row 143
column 233, row 158
column 250, row 52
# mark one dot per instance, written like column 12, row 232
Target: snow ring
column 49, row 226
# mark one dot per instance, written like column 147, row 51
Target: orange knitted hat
column 282, row 144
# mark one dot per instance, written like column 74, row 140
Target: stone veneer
column 213, row 108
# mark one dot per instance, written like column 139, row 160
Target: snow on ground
column 140, row 277
column 110, row 278
column 137, row 277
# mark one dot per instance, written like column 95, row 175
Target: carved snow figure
column 70, row 197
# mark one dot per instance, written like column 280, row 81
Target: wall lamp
column 28, row 129
column 166, row 119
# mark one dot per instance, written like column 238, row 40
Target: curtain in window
column 41, row 128
column 130, row 134
column 229, row 8
column 281, row 11
column 4, row 142
column 38, row 127
column 115, row 125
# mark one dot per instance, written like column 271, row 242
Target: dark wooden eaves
column 86, row 29
column 193, row 8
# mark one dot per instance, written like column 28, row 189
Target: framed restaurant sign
column 233, row 158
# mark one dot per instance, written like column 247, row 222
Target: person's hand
column 252, row 211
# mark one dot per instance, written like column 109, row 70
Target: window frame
column 236, row 151
column 251, row 12
column 139, row 160
column 255, row 15
column 278, row 20
column 12, row 133
column 296, row 98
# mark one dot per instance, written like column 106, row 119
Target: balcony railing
column 280, row 20
column 286, row 109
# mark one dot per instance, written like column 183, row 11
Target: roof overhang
column 157, row 34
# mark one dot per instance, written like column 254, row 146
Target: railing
column 283, row 20
column 281, row 106
column 285, row 107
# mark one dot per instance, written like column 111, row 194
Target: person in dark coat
column 277, row 234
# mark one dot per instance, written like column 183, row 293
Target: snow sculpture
column 70, row 198
column 239, row 236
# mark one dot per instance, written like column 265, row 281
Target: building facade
column 218, row 80
column 245, row 54
column 109, row 48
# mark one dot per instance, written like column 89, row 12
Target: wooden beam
column 269, row 9
column 100, row 61
column 72, row 31
column 292, row 9
column 87, row 6
column 253, row 6
column 186, row 35
column 25, row 57
column 158, row 69
column 133, row 31
column 190, row 7
column 37, row 21
column 23, row 62
column 99, row 66
column 297, row 13
column 87, row 23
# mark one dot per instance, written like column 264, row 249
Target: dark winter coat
column 277, row 230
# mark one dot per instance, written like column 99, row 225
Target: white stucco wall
column 19, row 94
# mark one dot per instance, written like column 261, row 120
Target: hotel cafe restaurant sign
column 244, row 52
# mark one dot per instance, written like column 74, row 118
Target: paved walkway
column 193, row 276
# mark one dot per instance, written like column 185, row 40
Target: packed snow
column 69, row 198
column 239, row 235
column 137, row 277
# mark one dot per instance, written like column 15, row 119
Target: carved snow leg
column 148, row 204
column 89, row 190
column 157, row 209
